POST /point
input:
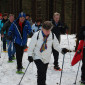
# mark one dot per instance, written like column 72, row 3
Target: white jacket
column 35, row 45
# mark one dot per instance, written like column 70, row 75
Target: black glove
column 64, row 50
column 33, row 30
column 30, row 59
column 78, row 51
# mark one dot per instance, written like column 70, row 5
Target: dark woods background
column 72, row 11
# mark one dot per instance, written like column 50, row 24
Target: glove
column 78, row 51
column 64, row 50
column 30, row 59
column 33, row 31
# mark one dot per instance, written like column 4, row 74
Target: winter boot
column 82, row 82
column 57, row 68
column 4, row 50
column 19, row 71
column 22, row 67
column 10, row 61
column 13, row 57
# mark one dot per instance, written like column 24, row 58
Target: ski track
column 8, row 74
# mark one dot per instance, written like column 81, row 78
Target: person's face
column 46, row 32
column 38, row 23
column 5, row 17
column 0, row 17
column 11, row 18
column 27, row 17
column 56, row 18
column 22, row 19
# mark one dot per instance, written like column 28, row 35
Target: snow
column 8, row 74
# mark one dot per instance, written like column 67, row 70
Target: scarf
column 20, row 24
column 44, row 45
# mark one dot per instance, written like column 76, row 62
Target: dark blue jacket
column 19, row 37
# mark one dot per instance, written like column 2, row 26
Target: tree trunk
column 73, row 21
column 63, row 11
column 33, row 6
column 51, row 9
column 79, row 14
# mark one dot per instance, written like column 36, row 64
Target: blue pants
column 11, row 49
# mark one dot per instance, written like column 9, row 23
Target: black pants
column 19, row 55
column 83, row 66
column 41, row 72
column 4, row 43
column 56, row 57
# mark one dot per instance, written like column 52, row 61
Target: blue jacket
column 1, row 24
column 18, row 37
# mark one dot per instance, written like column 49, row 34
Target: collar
column 44, row 34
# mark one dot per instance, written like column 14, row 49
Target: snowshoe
column 82, row 84
column 19, row 71
column 5, row 51
column 10, row 61
column 13, row 57
column 25, row 50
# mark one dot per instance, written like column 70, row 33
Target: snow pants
column 41, row 72
column 19, row 55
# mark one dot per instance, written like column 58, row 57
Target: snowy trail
column 8, row 74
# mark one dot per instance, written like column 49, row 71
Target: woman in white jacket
column 40, row 49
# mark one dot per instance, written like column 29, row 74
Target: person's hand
column 78, row 51
column 30, row 59
column 33, row 30
column 64, row 50
column 2, row 35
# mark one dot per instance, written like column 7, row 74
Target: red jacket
column 78, row 56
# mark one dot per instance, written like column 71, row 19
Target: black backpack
column 39, row 32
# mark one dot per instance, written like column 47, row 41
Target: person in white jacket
column 40, row 49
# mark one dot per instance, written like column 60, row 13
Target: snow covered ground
column 8, row 74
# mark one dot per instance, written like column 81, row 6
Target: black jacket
column 4, row 20
column 6, row 27
column 81, row 33
column 59, row 29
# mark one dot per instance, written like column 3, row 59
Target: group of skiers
column 45, row 41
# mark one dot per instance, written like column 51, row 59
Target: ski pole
column 24, row 73
column 79, row 61
column 62, row 69
column 78, row 68
column 69, row 46
column 77, row 73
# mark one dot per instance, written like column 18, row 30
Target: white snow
column 8, row 74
